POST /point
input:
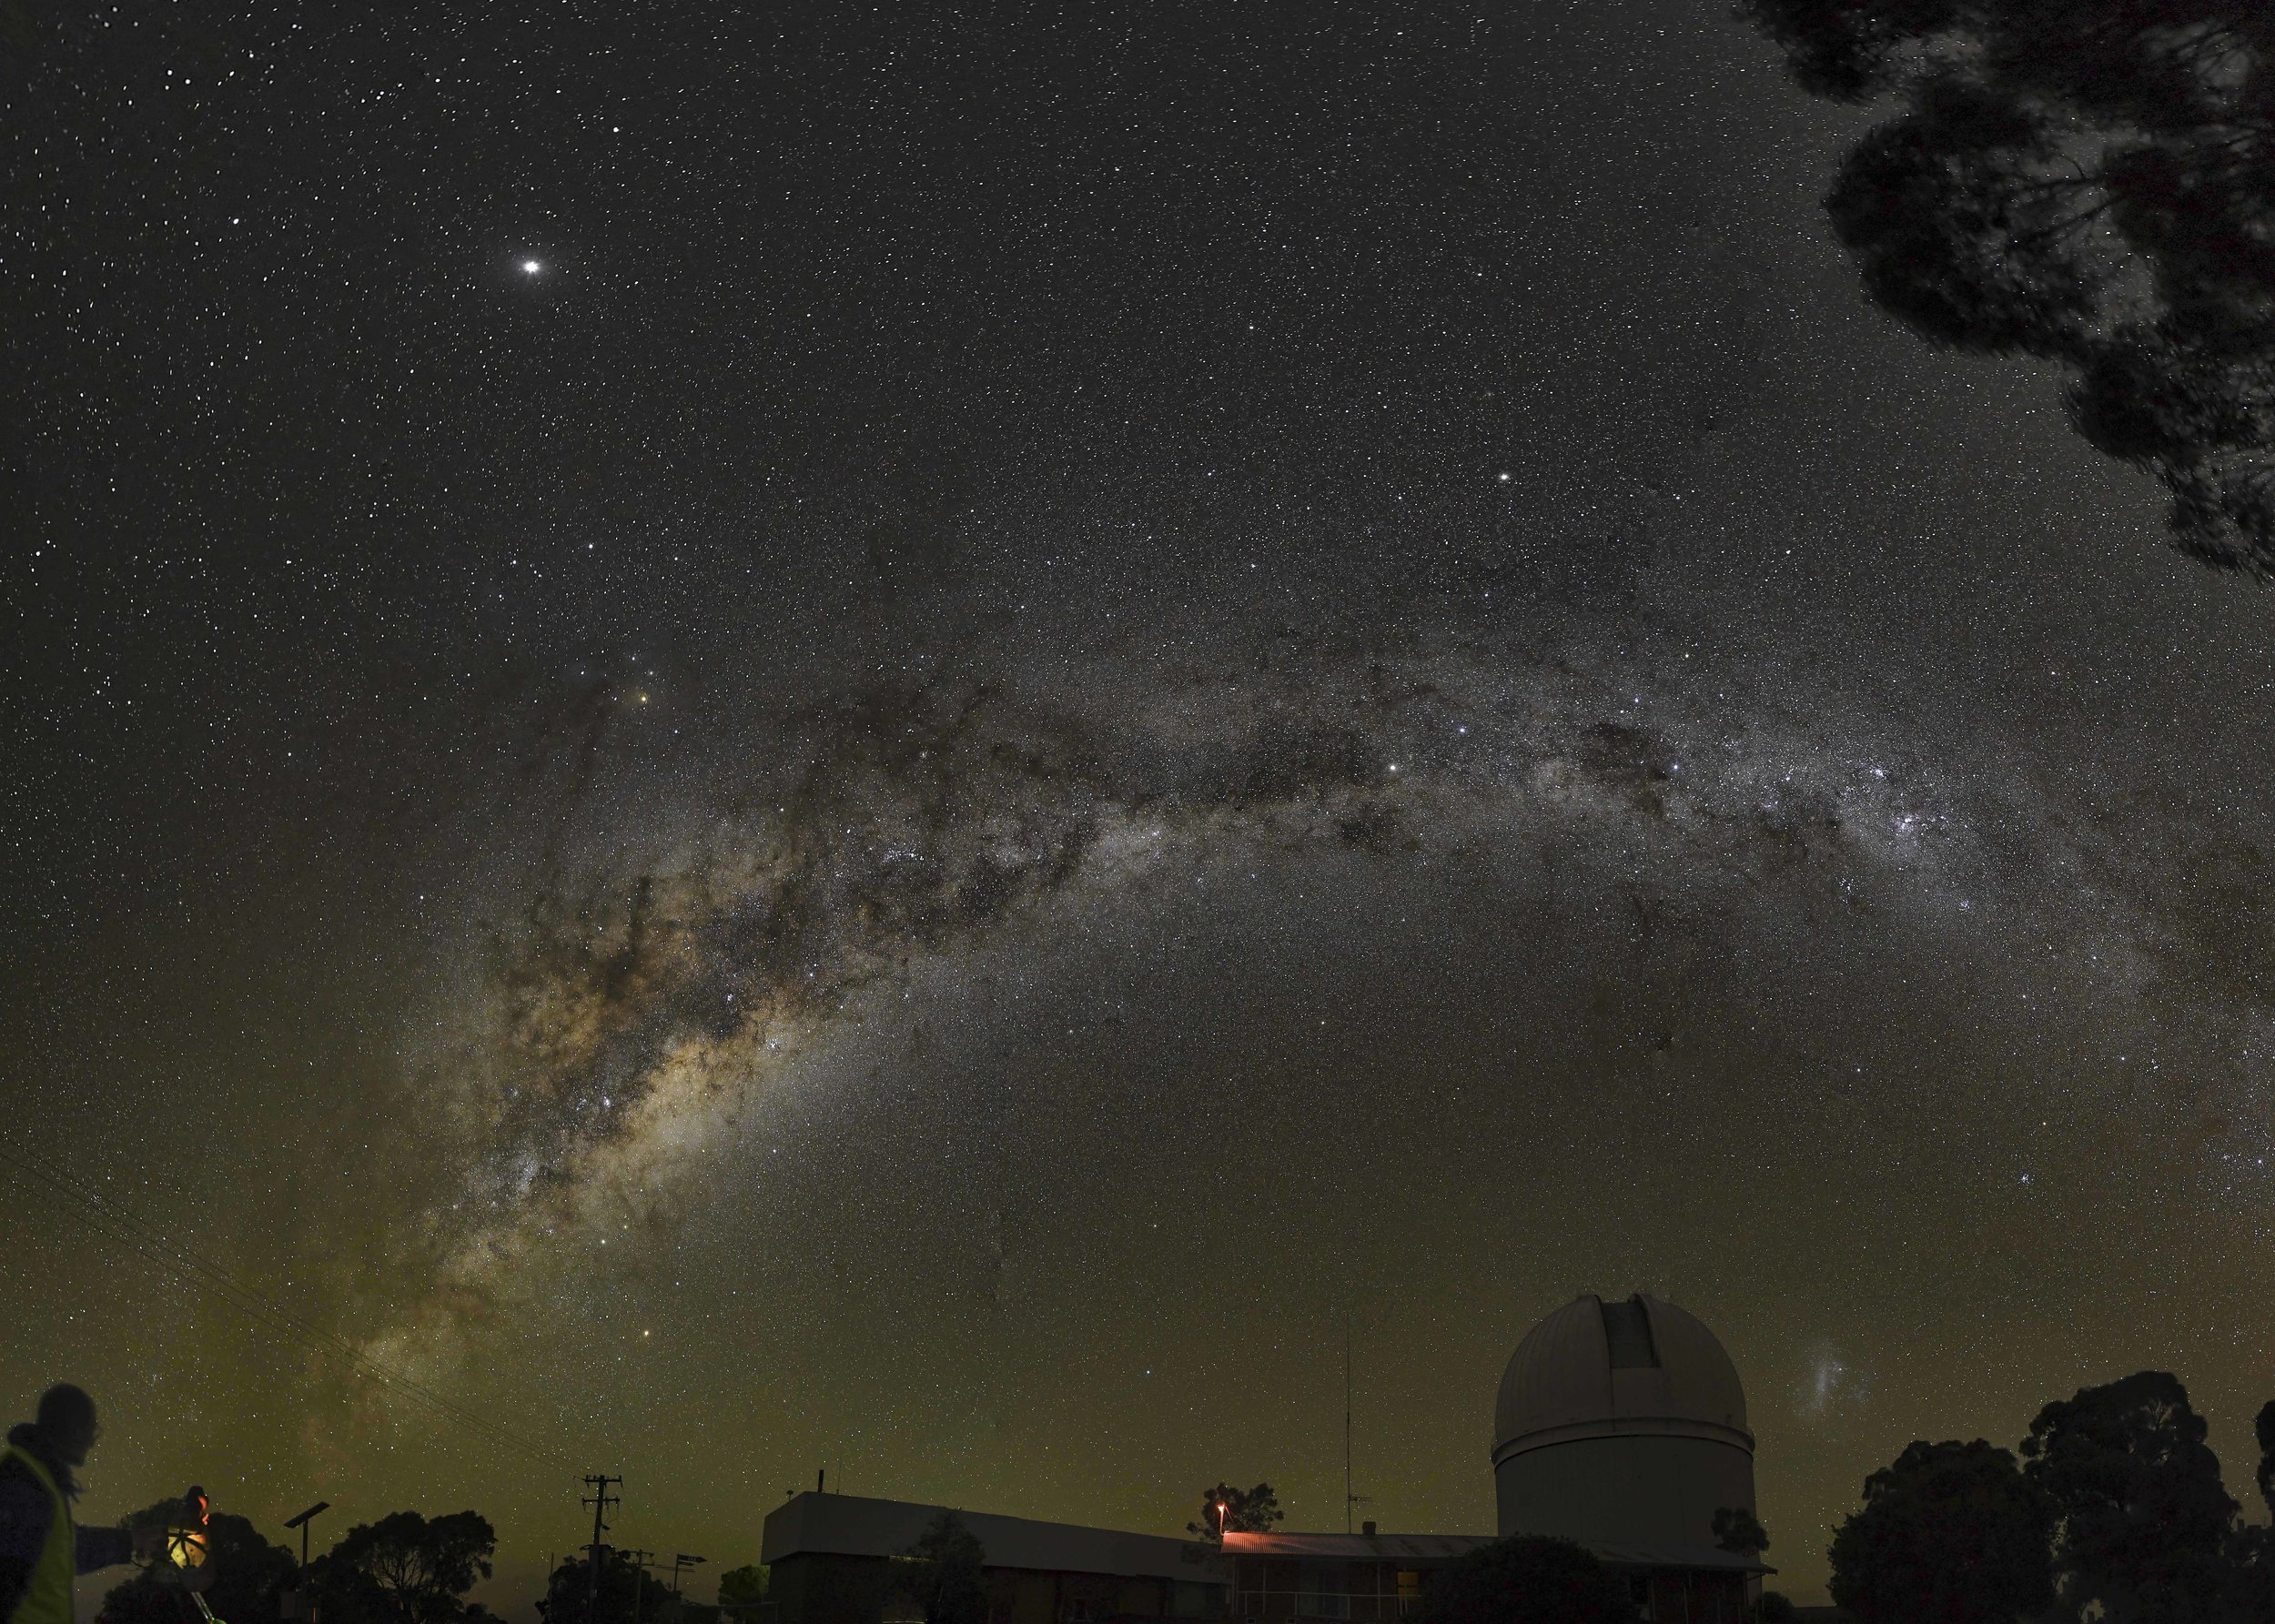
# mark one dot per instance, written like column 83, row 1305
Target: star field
column 899, row 738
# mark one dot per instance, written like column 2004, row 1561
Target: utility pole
column 599, row 1502
column 639, row 1580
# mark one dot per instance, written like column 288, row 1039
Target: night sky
column 900, row 737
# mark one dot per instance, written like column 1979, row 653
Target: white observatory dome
column 1620, row 1423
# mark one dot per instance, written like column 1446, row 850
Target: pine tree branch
column 2059, row 226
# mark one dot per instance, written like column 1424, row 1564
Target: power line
column 121, row 1225
column 262, row 1310
column 124, row 1225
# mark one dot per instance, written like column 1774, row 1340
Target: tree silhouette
column 1225, row 1509
column 2086, row 181
column 2251, row 1589
column 1950, row 1533
column 1738, row 1531
column 1528, row 1580
column 942, row 1573
column 2252, row 1548
column 249, row 1574
column 2142, row 1520
column 742, row 1590
column 421, row 1568
column 2263, row 1429
column 626, row 1592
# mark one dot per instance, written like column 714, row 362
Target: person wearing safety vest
column 41, row 1549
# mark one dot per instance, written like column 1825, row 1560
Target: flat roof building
column 1374, row 1578
column 829, row 1559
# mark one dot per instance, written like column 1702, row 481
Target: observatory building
column 1620, row 1425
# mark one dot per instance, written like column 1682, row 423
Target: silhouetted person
column 41, row 1551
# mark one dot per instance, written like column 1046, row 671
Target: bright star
column 532, row 267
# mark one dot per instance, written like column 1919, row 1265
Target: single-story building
column 1374, row 1578
column 829, row 1557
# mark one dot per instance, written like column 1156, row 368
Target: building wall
column 1362, row 1593
column 1644, row 1489
column 1697, row 1599
column 816, row 1587
column 1272, row 1589
column 826, row 1588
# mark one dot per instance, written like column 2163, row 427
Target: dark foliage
column 1530, row 1579
column 1738, row 1530
column 2142, row 1520
column 2263, row 1430
column 1774, row 1607
column 626, row 1593
column 1950, row 1533
column 2088, row 181
column 741, row 1592
column 943, row 1575
column 405, row 1568
column 345, row 1594
column 1226, row 1509
column 250, row 1575
column 1844, row 49
column 2248, row 1595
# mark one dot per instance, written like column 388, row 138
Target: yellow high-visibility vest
column 46, row 1598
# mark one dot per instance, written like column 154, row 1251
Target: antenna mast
column 1349, row 1500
